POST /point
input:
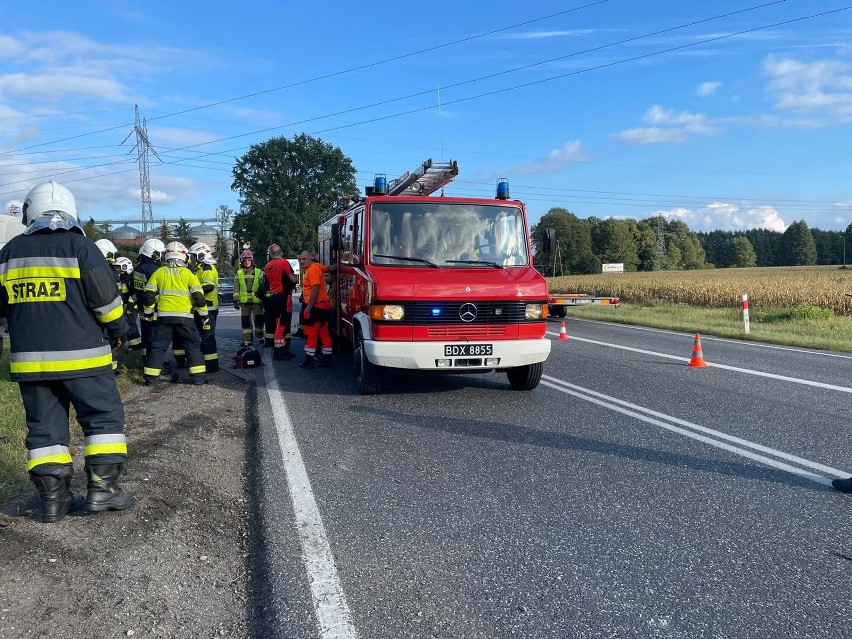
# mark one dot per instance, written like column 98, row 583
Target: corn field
column 780, row 286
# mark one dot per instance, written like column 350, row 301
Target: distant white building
column 10, row 226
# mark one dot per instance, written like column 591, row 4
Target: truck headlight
column 388, row 312
column 534, row 312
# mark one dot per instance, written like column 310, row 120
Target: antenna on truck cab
column 426, row 179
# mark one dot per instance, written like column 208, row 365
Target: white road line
column 635, row 411
column 712, row 338
column 333, row 616
column 748, row 371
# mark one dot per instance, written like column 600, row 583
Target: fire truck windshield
column 447, row 234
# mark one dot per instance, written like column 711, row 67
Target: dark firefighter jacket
column 172, row 292
column 62, row 304
column 142, row 272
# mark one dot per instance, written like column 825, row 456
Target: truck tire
column 368, row 377
column 558, row 311
column 525, row 377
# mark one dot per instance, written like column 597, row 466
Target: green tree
column 574, row 240
column 222, row 253
column 166, row 232
column 742, row 253
column 287, row 188
column 799, row 246
column 183, row 233
column 93, row 230
column 613, row 241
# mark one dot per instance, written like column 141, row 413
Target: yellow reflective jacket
column 208, row 276
column 241, row 291
column 172, row 292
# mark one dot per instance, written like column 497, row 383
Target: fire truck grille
column 471, row 332
column 464, row 313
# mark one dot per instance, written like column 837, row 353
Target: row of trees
column 181, row 232
column 655, row 244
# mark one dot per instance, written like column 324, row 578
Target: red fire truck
column 443, row 284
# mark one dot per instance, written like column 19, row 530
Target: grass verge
column 784, row 326
column 13, row 429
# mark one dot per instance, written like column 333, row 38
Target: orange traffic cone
column 563, row 336
column 697, row 354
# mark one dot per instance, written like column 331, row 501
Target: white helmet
column 200, row 251
column 176, row 253
column 46, row 199
column 153, row 248
column 123, row 264
column 108, row 249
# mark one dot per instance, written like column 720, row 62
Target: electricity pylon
column 142, row 147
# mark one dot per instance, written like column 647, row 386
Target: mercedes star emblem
column 467, row 312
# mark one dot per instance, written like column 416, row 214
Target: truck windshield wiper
column 404, row 258
column 483, row 262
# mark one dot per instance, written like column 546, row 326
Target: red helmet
column 246, row 255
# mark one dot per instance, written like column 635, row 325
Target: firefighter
column 316, row 312
column 248, row 284
column 278, row 303
column 64, row 314
column 172, row 292
column 108, row 250
column 150, row 258
column 124, row 267
column 201, row 258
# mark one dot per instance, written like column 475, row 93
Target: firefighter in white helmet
column 124, row 267
column 107, row 249
column 64, row 314
column 202, row 260
column 149, row 260
column 173, row 292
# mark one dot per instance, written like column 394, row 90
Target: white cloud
column 707, row 88
column 553, row 162
column 538, row 35
column 726, row 216
column 666, row 125
column 53, row 87
column 822, row 88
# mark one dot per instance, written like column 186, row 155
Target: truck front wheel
column 558, row 311
column 525, row 377
column 368, row 377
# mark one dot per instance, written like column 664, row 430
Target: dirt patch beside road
column 175, row 565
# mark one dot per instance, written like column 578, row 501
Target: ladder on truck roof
column 426, row 179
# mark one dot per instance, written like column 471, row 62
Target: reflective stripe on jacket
column 62, row 304
column 208, row 276
column 173, row 291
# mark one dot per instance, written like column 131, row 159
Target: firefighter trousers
column 250, row 310
column 208, row 341
column 186, row 335
column 279, row 316
column 100, row 414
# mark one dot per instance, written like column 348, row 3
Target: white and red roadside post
column 745, row 313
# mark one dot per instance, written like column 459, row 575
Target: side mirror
column 335, row 237
column 548, row 240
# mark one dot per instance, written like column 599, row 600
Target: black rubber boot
column 324, row 361
column 55, row 494
column 104, row 492
column 281, row 353
column 308, row 363
column 843, row 485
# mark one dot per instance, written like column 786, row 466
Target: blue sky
column 625, row 108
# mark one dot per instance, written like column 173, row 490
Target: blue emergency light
column 502, row 189
column 436, row 312
column 381, row 184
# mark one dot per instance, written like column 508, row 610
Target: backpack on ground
column 247, row 357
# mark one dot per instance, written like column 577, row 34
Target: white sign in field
column 612, row 268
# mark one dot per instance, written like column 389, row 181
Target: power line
column 330, row 75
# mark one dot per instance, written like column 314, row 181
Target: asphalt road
column 630, row 495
